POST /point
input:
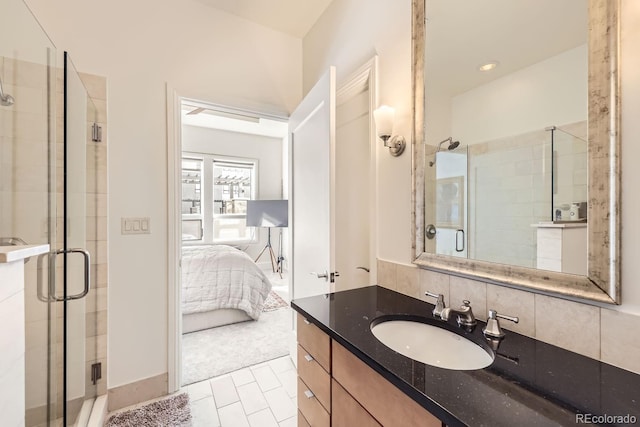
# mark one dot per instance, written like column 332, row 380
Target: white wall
column 140, row 46
column 630, row 76
column 348, row 34
column 551, row 92
column 268, row 152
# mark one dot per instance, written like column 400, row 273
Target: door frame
column 364, row 78
column 174, row 166
column 174, row 213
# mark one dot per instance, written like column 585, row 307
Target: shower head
column 5, row 99
column 452, row 146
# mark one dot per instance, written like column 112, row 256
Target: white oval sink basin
column 431, row 345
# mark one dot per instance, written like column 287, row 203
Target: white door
column 312, row 132
column 352, row 197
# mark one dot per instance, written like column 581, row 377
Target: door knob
column 324, row 275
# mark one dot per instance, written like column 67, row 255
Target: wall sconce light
column 383, row 117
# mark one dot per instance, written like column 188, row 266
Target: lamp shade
column 384, row 116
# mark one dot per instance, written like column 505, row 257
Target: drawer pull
column 309, row 394
column 308, row 358
column 306, row 321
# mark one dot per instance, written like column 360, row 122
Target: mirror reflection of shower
column 554, row 128
column 452, row 146
column 6, row 100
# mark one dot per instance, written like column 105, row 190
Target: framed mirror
column 516, row 144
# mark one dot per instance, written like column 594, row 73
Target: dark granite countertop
column 530, row 383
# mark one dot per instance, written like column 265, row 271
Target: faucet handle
column 437, row 311
column 493, row 329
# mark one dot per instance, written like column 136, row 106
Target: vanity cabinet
column 314, row 375
column 385, row 402
column 337, row 389
column 347, row 411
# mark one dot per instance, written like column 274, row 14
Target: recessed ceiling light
column 488, row 66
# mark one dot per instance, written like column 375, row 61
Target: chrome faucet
column 437, row 311
column 493, row 329
column 464, row 313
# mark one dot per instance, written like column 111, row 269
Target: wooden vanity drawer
column 301, row 421
column 310, row 407
column 316, row 342
column 346, row 411
column 384, row 401
column 313, row 375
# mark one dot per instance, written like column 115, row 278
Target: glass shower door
column 28, row 195
column 451, row 207
column 80, row 322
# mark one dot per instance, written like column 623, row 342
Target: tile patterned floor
column 263, row 395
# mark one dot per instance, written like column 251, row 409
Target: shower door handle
column 459, row 248
column 87, row 273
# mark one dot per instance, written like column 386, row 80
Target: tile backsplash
column 592, row 331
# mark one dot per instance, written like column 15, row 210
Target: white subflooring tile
column 204, row 413
column 233, row 416
column 280, row 403
column 224, row 391
column 266, row 378
column 252, row 398
column 291, row 422
column 259, row 396
column 263, row 418
column 242, row 376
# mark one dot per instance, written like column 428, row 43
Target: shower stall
column 47, row 196
column 489, row 201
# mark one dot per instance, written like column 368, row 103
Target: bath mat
column 273, row 302
column 171, row 412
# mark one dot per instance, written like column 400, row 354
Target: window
column 214, row 208
column 192, row 228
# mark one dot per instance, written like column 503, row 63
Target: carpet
column 171, row 412
column 273, row 302
column 216, row 351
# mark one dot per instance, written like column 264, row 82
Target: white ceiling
column 463, row 34
column 294, row 17
column 224, row 118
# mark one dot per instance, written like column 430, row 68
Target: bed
column 220, row 285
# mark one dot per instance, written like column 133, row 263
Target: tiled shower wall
column 97, row 191
column 599, row 333
column 510, row 183
column 24, row 208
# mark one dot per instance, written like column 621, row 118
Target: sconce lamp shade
column 384, row 117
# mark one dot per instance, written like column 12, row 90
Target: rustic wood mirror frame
column 602, row 284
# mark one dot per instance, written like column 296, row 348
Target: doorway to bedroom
column 234, row 280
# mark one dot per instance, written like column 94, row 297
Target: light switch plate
column 139, row 225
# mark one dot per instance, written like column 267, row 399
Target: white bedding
column 215, row 277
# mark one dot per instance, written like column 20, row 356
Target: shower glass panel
column 497, row 200
column 451, row 195
column 80, row 320
column 490, row 195
column 570, row 179
column 510, row 191
column 27, row 192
